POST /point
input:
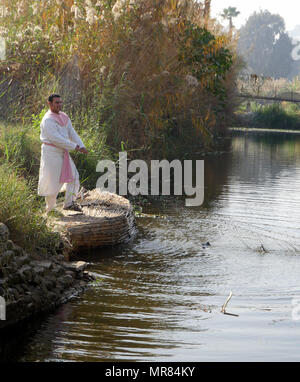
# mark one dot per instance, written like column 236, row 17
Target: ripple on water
column 160, row 297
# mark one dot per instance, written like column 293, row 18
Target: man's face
column 55, row 105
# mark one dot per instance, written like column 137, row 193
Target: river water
column 160, row 297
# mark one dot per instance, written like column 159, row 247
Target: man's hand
column 82, row 150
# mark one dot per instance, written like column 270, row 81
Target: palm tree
column 230, row 13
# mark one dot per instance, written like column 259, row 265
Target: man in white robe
column 57, row 169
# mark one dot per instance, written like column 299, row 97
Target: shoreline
column 36, row 283
column 263, row 130
column 32, row 285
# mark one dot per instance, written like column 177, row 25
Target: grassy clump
column 276, row 117
column 21, row 212
column 20, row 147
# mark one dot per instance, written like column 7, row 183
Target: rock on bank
column 30, row 286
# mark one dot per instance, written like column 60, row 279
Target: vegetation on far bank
column 279, row 116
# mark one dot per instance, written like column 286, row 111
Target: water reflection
column 160, row 297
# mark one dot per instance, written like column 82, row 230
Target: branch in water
column 224, row 307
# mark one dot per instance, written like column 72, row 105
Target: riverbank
column 256, row 129
column 35, row 276
column 33, row 284
column 272, row 117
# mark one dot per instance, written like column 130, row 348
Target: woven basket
column 107, row 220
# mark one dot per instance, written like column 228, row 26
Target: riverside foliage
column 155, row 76
column 277, row 117
column 20, row 208
column 21, row 212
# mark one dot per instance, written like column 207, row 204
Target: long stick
column 224, row 307
column 227, row 301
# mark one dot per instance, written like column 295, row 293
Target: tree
column 230, row 13
column 265, row 45
column 295, row 36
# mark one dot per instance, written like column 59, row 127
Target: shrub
column 20, row 147
column 21, row 212
column 275, row 117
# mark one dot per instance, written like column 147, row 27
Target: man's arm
column 50, row 134
column 74, row 136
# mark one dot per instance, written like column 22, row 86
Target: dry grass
column 21, row 212
column 140, row 76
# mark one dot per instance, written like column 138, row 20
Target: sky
column 288, row 9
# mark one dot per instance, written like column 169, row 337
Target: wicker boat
column 107, row 219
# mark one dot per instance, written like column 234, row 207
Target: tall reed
column 157, row 75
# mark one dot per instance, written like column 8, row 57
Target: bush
column 21, row 212
column 20, row 147
column 276, row 117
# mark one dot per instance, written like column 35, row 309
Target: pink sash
column 66, row 175
column 61, row 117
